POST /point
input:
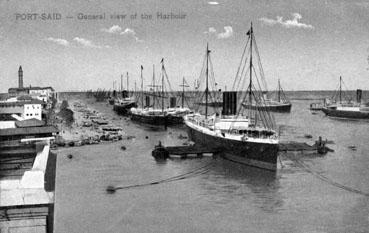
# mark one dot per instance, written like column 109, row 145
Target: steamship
column 347, row 109
column 245, row 135
column 172, row 115
column 123, row 105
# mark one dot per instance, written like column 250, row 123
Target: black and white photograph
column 189, row 116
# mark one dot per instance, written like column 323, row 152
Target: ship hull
column 261, row 155
column 124, row 109
column 158, row 119
column 111, row 101
column 283, row 107
column 211, row 104
column 345, row 114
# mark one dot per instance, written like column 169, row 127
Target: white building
column 41, row 91
column 32, row 110
column 24, row 107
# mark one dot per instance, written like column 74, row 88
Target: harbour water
column 308, row 193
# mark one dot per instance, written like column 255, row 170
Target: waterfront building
column 27, row 177
column 22, row 107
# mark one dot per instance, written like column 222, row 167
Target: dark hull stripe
column 157, row 120
column 124, row 109
column 212, row 104
column 273, row 108
column 262, row 155
column 345, row 114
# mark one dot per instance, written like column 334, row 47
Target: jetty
column 197, row 151
column 319, row 147
column 193, row 151
column 300, row 147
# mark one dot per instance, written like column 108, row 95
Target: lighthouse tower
column 20, row 77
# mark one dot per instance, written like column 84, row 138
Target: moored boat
column 159, row 116
column 170, row 116
column 282, row 104
column 111, row 100
column 316, row 106
column 123, row 105
column 248, row 139
column 244, row 143
column 270, row 105
column 347, row 109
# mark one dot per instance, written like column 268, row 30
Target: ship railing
column 202, row 122
column 252, row 133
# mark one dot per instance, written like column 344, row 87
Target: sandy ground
column 84, row 113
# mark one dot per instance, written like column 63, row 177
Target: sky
column 305, row 44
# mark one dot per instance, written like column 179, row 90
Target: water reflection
column 227, row 182
column 148, row 127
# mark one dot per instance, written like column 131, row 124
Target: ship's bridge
column 228, row 123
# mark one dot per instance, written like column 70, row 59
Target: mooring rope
column 196, row 172
column 326, row 179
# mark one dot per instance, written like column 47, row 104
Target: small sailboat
column 250, row 138
column 160, row 115
column 123, row 105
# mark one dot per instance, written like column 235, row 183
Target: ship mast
column 153, row 85
column 207, row 81
column 340, row 89
column 127, row 83
column 162, row 85
column 121, row 83
column 142, row 87
column 279, row 91
column 250, row 85
column 183, row 85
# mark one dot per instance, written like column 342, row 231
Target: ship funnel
column 173, row 102
column 229, row 103
column 124, row 94
column 359, row 93
column 147, row 101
